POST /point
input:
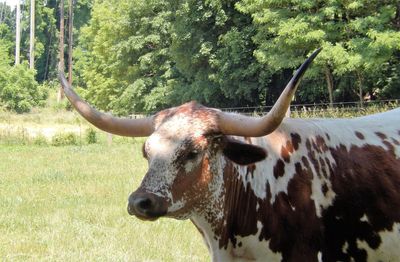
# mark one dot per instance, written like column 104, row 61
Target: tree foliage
column 19, row 90
column 358, row 37
column 145, row 55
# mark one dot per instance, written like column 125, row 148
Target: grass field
column 69, row 204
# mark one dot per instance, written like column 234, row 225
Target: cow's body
column 328, row 190
column 303, row 190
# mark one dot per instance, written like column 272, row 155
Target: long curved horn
column 239, row 125
column 105, row 122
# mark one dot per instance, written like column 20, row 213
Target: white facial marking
column 176, row 206
column 163, row 148
column 345, row 247
column 319, row 257
column 364, row 218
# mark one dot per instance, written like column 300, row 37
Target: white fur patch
column 388, row 250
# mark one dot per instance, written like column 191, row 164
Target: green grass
column 69, row 204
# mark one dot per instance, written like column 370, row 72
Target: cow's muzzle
column 146, row 206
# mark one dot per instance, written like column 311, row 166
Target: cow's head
column 184, row 149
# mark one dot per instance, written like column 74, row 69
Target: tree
column 213, row 49
column 127, row 63
column 7, row 34
column 148, row 55
column 357, row 37
column 45, row 31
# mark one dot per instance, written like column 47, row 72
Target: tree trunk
column 70, row 40
column 18, row 34
column 360, row 85
column 60, row 94
column 32, row 37
column 3, row 7
column 397, row 17
column 329, row 81
column 46, row 69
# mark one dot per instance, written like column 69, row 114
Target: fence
column 339, row 109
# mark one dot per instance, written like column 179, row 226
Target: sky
column 10, row 2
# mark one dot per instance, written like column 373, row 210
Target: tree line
column 144, row 55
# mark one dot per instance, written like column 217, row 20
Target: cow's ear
column 242, row 153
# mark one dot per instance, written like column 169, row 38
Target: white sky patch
column 11, row 3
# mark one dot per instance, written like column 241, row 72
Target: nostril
column 143, row 203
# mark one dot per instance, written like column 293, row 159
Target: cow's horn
column 239, row 125
column 108, row 123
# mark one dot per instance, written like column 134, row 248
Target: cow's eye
column 192, row 155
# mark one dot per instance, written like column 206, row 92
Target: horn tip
column 302, row 69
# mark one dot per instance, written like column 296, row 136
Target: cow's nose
column 146, row 205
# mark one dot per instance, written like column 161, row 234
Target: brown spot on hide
column 387, row 143
column 366, row 181
column 296, row 140
column 279, row 169
column 389, row 146
column 396, row 142
column 381, row 135
column 325, row 189
column 250, row 170
column 193, row 186
column 323, row 167
column 320, row 144
column 308, row 145
column 327, row 136
column 285, row 154
column 305, row 162
column 360, row 135
column 312, row 156
column 287, row 150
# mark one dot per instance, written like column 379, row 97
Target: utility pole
column 18, row 33
column 70, row 39
column 32, row 37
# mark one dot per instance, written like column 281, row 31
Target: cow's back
column 332, row 185
column 355, row 166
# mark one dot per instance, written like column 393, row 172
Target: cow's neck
column 248, row 220
column 228, row 222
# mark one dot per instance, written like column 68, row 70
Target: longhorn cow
column 270, row 188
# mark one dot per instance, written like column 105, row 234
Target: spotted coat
column 312, row 190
